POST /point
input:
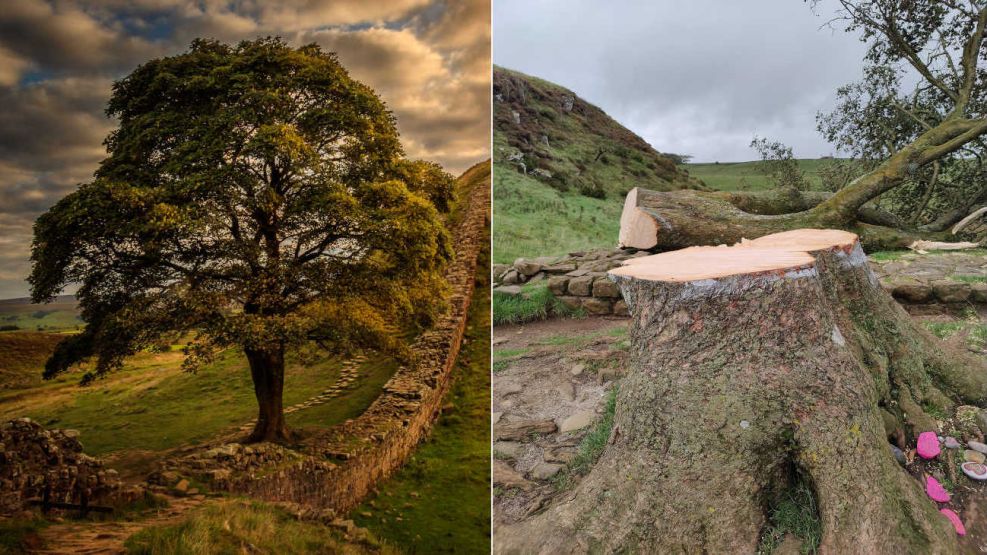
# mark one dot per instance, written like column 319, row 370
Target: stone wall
column 33, row 458
column 333, row 472
column 579, row 279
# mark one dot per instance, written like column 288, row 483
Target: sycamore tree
column 255, row 196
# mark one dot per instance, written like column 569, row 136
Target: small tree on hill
column 255, row 196
column 780, row 163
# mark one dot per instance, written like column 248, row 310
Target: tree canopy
column 254, row 195
column 921, row 103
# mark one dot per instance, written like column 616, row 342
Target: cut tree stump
column 756, row 368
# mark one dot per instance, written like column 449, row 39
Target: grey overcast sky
column 428, row 59
column 696, row 77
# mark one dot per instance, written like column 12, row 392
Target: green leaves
column 256, row 194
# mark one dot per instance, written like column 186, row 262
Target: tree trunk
column 267, row 371
column 754, row 368
column 677, row 219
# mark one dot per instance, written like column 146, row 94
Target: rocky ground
column 551, row 382
column 939, row 277
column 552, row 379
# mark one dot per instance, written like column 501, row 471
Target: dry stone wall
column 333, row 472
column 33, row 459
column 579, row 279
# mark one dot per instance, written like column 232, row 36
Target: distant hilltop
column 549, row 133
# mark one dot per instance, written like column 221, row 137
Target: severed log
column 653, row 220
column 788, row 201
column 966, row 221
column 754, row 368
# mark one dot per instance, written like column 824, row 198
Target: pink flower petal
column 957, row 523
column 935, row 490
column 928, row 445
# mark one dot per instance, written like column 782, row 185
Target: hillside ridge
column 550, row 133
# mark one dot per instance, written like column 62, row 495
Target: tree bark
column 267, row 371
column 676, row 219
column 741, row 386
column 662, row 221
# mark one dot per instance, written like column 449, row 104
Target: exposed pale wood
column 923, row 246
column 637, row 229
column 807, row 240
column 697, row 263
column 965, row 221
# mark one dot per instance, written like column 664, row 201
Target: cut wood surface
column 805, row 240
column 698, row 263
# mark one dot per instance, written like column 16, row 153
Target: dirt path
column 108, row 537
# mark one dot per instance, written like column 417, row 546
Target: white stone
column 974, row 470
column 577, row 421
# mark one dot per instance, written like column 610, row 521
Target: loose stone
column 974, row 470
column 970, row 455
column 977, row 446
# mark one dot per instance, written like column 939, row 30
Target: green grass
column 977, row 338
column 533, row 219
column 970, row 279
column 888, row 256
column 373, row 375
column 935, row 411
column 502, row 354
column 749, row 176
column 797, row 514
column 591, row 446
column 535, row 302
column 562, row 340
column 16, row 534
column 943, row 330
column 442, row 495
column 238, row 526
column 502, row 357
column 152, row 405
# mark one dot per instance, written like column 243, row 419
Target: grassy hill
column 534, row 220
column 23, row 356
column 562, row 168
column 749, row 176
column 60, row 314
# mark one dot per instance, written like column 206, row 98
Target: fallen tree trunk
column 788, row 201
column 677, row 219
column 756, row 368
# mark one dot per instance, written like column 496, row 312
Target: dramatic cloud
column 698, row 77
column 428, row 59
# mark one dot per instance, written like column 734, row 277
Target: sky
column 428, row 59
column 698, row 77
